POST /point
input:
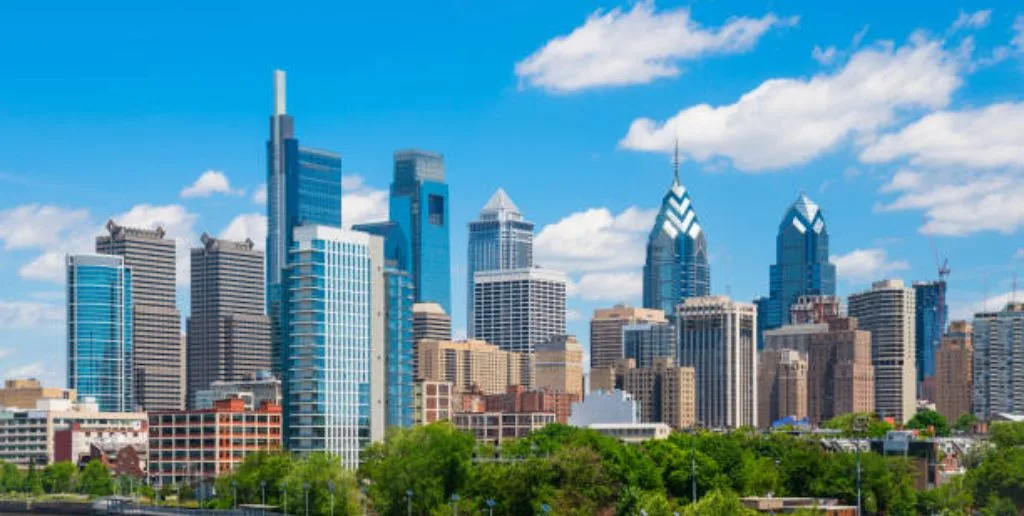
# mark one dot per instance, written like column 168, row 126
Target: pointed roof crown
column 806, row 207
column 500, row 206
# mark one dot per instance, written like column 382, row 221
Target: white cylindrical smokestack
column 279, row 92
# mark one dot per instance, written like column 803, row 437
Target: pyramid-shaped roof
column 806, row 207
column 500, row 206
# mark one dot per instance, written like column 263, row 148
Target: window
column 435, row 210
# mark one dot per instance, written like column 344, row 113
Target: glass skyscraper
column 99, row 322
column 677, row 253
column 501, row 239
column 801, row 264
column 333, row 350
column 930, row 319
column 419, row 206
column 303, row 187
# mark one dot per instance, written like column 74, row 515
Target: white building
column 604, row 407
column 519, row 308
column 262, row 387
column 999, row 362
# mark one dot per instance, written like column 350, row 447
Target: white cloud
column 571, row 315
column 34, row 225
column 33, row 370
column 786, row 122
column 259, row 194
column 29, row 314
column 618, row 48
column 975, row 20
column 361, row 203
column 179, row 224
column 859, row 36
column 824, row 56
column 6, row 352
column 607, row 286
column 247, row 225
column 595, row 240
column 865, row 265
column 209, row 183
column 1018, row 38
column 903, row 179
column 992, row 303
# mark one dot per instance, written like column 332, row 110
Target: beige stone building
column 954, row 370
column 782, row 385
column 840, row 375
column 24, row 394
column 606, row 331
column 559, row 365
column 663, row 393
column 473, row 363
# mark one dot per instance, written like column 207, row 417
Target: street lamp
column 305, row 489
column 455, row 504
column 490, row 506
column 408, row 501
column 330, row 488
column 234, row 493
column 284, row 487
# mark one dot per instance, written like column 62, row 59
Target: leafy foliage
column 95, row 479
column 929, row 421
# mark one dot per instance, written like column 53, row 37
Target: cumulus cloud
column 209, row 183
column 29, row 314
column 865, row 265
column 35, row 225
column 788, row 121
column 259, row 194
column 361, row 203
column 247, row 225
column 1018, row 38
column 607, row 286
column 975, row 20
column 824, row 55
column 618, row 48
column 595, row 240
column 991, row 303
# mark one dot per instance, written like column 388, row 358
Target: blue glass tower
column 801, row 264
column 931, row 315
column 677, row 252
column 419, row 206
column 303, row 187
column 99, row 322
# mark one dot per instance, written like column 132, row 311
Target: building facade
column 793, row 336
column 676, row 266
column 158, row 353
column 840, row 374
column 101, row 331
column 498, row 427
column 474, row 364
column 782, row 386
column 433, row 402
column 646, row 343
column 519, row 308
column 718, row 339
column 430, row 321
column 930, row 318
column 334, row 344
column 998, row 341
column 228, row 331
column 606, row 346
column 814, row 309
column 887, row 311
column 24, row 393
column 500, row 239
column 663, row 392
column 419, row 206
column 608, row 407
column 255, row 390
column 558, row 365
column 954, row 364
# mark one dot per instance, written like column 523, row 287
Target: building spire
column 675, row 162
column 279, row 92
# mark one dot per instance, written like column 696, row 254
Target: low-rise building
column 256, row 390
column 519, row 399
column 604, row 407
column 432, row 402
column 24, row 393
column 496, row 427
column 84, row 440
column 633, row 433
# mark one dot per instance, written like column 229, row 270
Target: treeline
column 60, row 477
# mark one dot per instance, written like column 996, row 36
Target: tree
column 999, row 478
column 1005, row 434
column 949, row 499
column 258, row 475
column 718, row 503
column 11, row 478
column 95, row 479
column 930, row 421
column 965, row 422
column 33, row 480
column 60, row 477
column 319, row 471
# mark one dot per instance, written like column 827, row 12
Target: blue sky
column 904, row 121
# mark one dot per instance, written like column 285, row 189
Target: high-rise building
column 676, row 267
column 334, row 346
column 954, row 364
column 100, row 330
column 517, row 309
column 500, row 239
column 558, row 365
column 430, row 321
column 840, row 377
column 303, row 187
column 228, row 331
column 801, row 263
column 887, row 311
column 606, row 331
column 419, row 206
column 998, row 341
column 782, row 385
column 930, row 318
column 24, row 393
column 474, row 364
column 814, row 310
column 648, row 342
column 717, row 338
column 663, row 392
column 793, row 336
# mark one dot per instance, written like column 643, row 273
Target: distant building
column 497, row 427
column 931, row 314
column 474, row 363
column 430, row 321
column 606, row 346
column 633, row 433
column 646, row 343
column 887, row 311
column 25, row 393
column 80, row 440
column 794, row 336
column 517, row 309
column 814, row 310
column 998, row 341
column 954, row 366
column 840, row 377
column 782, row 386
column 604, row 407
column 519, row 399
column 664, row 393
column 558, row 365
column 255, row 390
column 433, row 402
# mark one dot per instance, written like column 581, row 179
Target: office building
column 474, row 364
column 24, row 393
column 717, row 338
column 814, row 310
column 676, row 266
column 998, row 341
column 782, row 386
column 930, row 318
column 520, row 399
column 254, row 391
column 334, row 345
column 613, row 406
column 498, row 427
column 954, row 364
column 519, row 308
column 663, row 392
column 430, row 321
column 840, row 377
column 793, row 336
column 606, row 345
column 100, row 322
column 646, row 343
column 158, row 353
column 801, row 263
column 228, row 331
column 500, row 239
column 419, row 206
column 558, row 365
column 433, row 402
column 189, row 446
column 887, row 311
column 303, row 188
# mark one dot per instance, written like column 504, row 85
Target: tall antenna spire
column 279, row 92
column 675, row 161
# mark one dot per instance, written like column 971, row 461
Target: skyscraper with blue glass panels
column 677, row 253
column 99, row 322
column 303, row 187
column 333, row 347
column 419, row 206
column 931, row 316
column 801, row 264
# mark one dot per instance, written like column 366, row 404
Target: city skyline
column 51, row 205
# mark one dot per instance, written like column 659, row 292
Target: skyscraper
column 228, row 331
column 718, row 339
column 677, row 252
column 782, row 385
column 473, row 364
column 606, row 331
column 558, row 365
column 500, row 239
column 333, row 349
column 663, row 392
column 419, row 206
column 303, row 187
column 158, row 351
column 840, row 377
column 801, row 263
column 648, row 342
column 99, row 319
column 954, row 364
column 887, row 311
column 998, row 357
column 519, row 308
column 930, row 318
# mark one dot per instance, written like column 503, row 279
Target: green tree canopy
column 95, row 479
column 60, row 477
column 930, row 421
